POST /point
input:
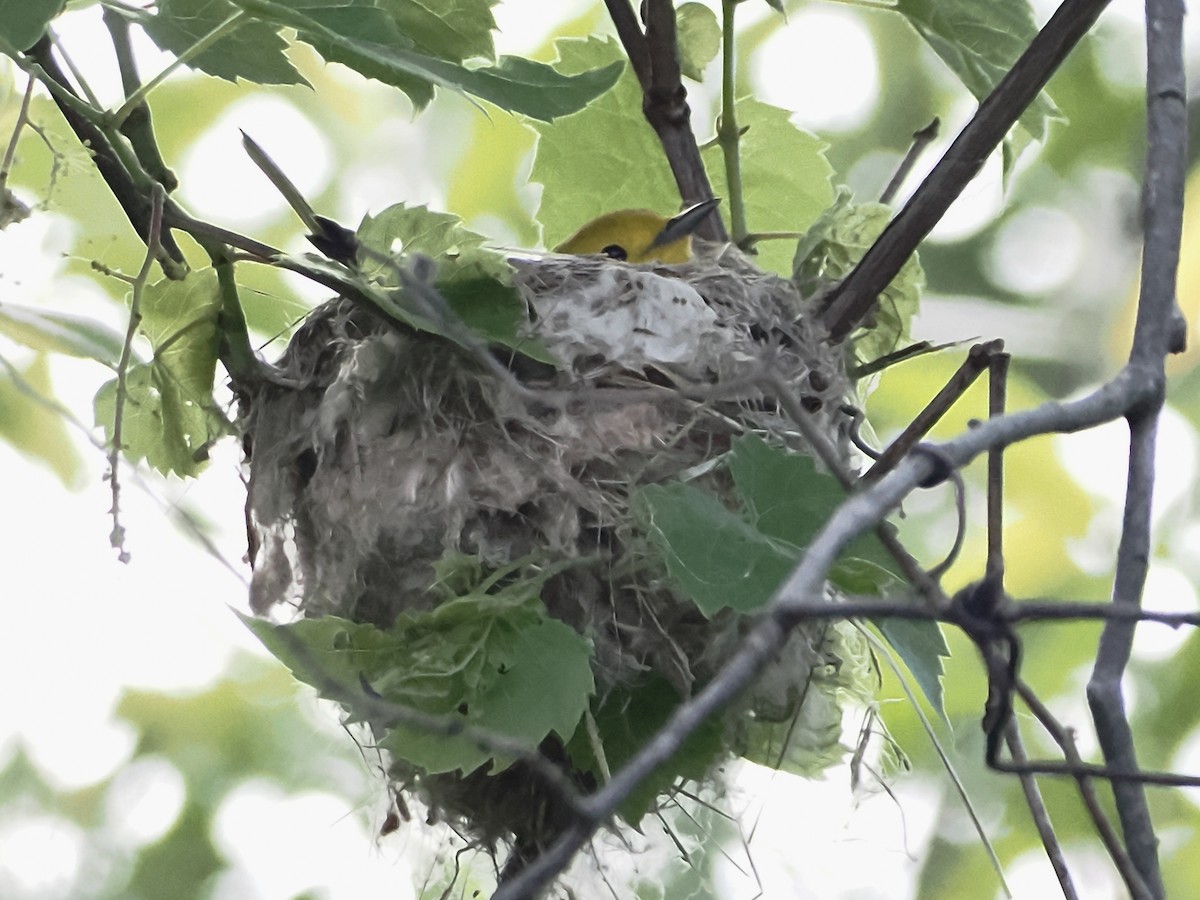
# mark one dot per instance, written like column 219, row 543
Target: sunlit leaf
column 474, row 280
column 32, row 427
column 585, row 174
column 699, row 37
column 59, row 332
column 449, row 29
column 168, row 416
column 786, row 178
column 979, row 41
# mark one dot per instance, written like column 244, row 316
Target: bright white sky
column 81, row 627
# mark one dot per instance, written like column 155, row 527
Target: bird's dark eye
column 615, row 251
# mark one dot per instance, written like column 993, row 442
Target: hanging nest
column 396, row 455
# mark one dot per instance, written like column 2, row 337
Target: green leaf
column 833, row 246
column 921, row 645
column 253, row 50
column 699, row 38
column 585, row 177
column 448, row 29
column 778, row 197
column 788, row 499
column 785, row 495
column 365, row 24
column 515, row 84
column 604, row 157
column 401, row 229
column 627, row 717
column 979, row 41
column 23, row 22
column 59, row 332
column 169, row 417
column 474, row 280
column 716, row 557
column 493, row 661
column 541, row 686
column 32, row 427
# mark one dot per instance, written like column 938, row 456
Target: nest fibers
column 395, row 449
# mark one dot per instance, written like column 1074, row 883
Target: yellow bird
column 640, row 235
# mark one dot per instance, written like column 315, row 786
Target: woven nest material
column 396, row 448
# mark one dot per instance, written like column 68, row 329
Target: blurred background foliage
column 1045, row 259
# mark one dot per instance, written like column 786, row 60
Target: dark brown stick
column 849, row 305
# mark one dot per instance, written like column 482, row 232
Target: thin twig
column 84, row 87
column 171, row 509
column 10, row 151
column 920, row 140
column 1041, row 816
column 1087, row 791
column 111, row 161
column 630, row 34
column 997, row 404
column 117, row 537
column 973, row 366
column 728, row 134
column 139, row 96
column 138, row 126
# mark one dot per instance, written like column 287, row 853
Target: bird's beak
column 686, row 222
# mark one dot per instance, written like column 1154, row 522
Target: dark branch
column 1041, row 816
column 851, row 302
column 1087, row 791
column 977, row 361
column 920, row 140
column 1158, row 331
column 654, row 57
column 138, row 126
column 134, row 201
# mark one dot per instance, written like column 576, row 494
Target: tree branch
column 1041, row 816
column 1157, row 332
column 1087, row 791
column 654, row 57
column 134, row 201
column 849, row 304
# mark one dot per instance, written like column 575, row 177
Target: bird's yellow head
column 640, row 235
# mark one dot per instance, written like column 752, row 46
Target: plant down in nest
column 513, row 573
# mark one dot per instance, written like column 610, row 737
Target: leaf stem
column 84, row 87
column 728, row 135
column 137, row 97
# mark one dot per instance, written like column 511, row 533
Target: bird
column 640, row 235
